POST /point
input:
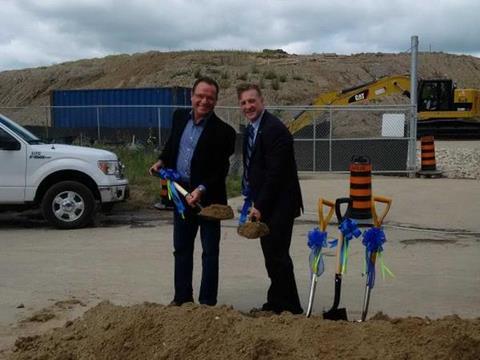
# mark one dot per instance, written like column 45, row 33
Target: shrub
column 242, row 76
column 270, row 74
column 275, row 84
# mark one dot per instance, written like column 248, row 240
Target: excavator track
column 449, row 129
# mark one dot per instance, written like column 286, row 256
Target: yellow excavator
column 443, row 110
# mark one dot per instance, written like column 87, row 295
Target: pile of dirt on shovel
column 151, row 331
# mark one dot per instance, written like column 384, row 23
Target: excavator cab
column 435, row 95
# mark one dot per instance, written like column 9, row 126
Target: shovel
column 335, row 313
column 377, row 223
column 211, row 212
column 323, row 221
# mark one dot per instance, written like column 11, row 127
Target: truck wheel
column 68, row 205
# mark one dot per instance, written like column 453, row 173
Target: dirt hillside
column 286, row 78
column 151, row 331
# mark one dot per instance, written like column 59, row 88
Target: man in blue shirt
column 198, row 148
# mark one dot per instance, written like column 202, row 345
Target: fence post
column 413, row 103
column 330, row 121
column 314, row 143
column 159, row 117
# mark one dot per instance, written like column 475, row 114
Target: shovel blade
column 336, row 314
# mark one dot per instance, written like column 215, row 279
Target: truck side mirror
column 9, row 144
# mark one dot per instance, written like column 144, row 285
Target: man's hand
column 255, row 214
column 155, row 168
column 194, row 197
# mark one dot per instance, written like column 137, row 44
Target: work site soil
column 152, row 331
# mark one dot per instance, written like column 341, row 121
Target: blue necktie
column 250, row 133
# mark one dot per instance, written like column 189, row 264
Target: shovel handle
column 338, row 207
column 180, row 189
column 184, row 192
column 324, row 220
column 378, row 220
column 340, row 217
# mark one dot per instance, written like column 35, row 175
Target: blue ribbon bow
column 349, row 229
column 172, row 175
column 373, row 239
column 316, row 241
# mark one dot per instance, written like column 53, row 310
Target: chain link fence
column 326, row 140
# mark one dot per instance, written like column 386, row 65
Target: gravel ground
column 458, row 159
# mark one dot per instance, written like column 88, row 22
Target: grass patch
column 234, row 186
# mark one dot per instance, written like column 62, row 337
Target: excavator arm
column 398, row 84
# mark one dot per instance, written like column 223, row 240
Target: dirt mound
column 152, row 331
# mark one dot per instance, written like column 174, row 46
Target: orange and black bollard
column 163, row 189
column 428, row 153
column 165, row 203
column 429, row 164
column 360, row 207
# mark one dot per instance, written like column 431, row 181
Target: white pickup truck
column 67, row 182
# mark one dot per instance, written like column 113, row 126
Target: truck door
column 12, row 169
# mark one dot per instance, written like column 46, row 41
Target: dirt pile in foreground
column 152, row 331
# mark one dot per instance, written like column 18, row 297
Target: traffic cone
column 428, row 162
column 360, row 207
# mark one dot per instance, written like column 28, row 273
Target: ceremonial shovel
column 323, row 225
column 377, row 223
column 211, row 212
column 335, row 313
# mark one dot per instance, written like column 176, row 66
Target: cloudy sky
column 44, row 32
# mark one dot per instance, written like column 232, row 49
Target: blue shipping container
column 117, row 108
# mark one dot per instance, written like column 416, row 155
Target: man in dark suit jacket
column 271, row 182
column 198, row 148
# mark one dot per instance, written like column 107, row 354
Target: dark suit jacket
column 273, row 174
column 210, row 161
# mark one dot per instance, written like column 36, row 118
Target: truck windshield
column 20, row 131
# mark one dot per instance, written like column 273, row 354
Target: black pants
column 282, row 294
column 184, row 233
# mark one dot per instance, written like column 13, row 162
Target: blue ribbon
column 247, row 204
column 349, row 229
column 373, row 239
column 316, row 241
column 169, row 174
column 172, row 175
